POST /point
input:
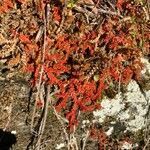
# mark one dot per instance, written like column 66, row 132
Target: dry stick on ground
column 146, row 11
column 43, row 122
column 147, row 130
column 109, row 12
column 71, row 140
column 41, row 72
column 72, row 145
column 48, row 10
column 96, row 40
column 112, row 5
column 9, row 117
column 100, row 10
column 63, row 18
column 39, row 34
column 146, row 145
column 36, row 98
column 85, row 139
column 89, row 14
column 61, row 120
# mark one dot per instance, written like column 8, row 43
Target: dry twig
column 43, row 122
column 63, row 18
column 41, row 72
column 85, row 139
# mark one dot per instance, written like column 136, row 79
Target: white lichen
column 59, row 146
column 132, row 116
column 109, row 132
column 109, row 108
column 85, row 123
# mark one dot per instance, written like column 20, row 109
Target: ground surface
column 89, row 38
column 15, row 116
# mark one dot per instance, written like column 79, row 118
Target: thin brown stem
column 43, row 122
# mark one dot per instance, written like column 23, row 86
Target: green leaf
column 71, row 3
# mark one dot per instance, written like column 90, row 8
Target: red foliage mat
column 65, row 59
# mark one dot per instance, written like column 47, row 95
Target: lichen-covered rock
column 129, row 109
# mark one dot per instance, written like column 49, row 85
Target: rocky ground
column 125, row 116
column 122, row 122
